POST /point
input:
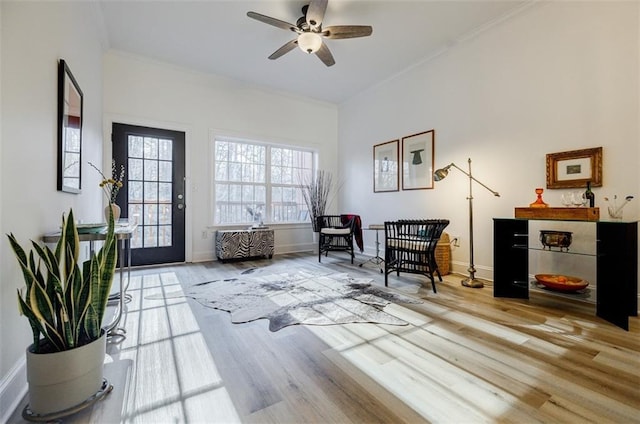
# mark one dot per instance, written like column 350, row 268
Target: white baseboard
column 13, row 388
column 204, row 256
column 483, row 272
column 210, row 255
column 295, row 248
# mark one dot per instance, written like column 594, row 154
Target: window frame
column 268, row 218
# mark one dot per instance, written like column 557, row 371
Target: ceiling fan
column 310, row 31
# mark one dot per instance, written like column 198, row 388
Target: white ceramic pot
column 116, row 212
column 62, row 380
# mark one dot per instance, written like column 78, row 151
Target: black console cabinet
column 616, row 266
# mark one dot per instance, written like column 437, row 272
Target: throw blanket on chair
column 357, row 228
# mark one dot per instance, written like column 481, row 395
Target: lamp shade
column 309, row 42
column 441, row 173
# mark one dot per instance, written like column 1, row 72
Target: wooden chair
column 410, row 246
column 335, row 234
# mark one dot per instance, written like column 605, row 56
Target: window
column 256, row 183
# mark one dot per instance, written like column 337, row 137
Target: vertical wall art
column 417, row 161
column 385, row 167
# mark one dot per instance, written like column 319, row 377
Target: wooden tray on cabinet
column 563, row 214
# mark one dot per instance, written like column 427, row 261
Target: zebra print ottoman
column 244, row 244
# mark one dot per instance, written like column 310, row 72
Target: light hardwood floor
column 464, row 357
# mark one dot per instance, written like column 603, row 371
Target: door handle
column 182, row 205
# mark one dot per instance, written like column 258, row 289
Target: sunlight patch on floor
column 174, row 377
column 433, row 386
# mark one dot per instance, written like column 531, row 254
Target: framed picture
column 385, row 167
column 417, row 161
column 575, row 168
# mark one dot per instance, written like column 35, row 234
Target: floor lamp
column 441, row 174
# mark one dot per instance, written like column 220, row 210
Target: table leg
column 377, row 260
column 113, row 330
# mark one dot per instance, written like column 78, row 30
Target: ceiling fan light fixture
column 309, row 42
column 312, row 32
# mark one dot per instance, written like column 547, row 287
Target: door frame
column 107, row 154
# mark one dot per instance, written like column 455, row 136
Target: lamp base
column 472, row 282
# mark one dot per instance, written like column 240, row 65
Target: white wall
column 34, row 36
column 558, row 76
column 144, row 92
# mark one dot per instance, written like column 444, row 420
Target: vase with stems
column 111, row 187
column 316, row 192
column 116, row 211
column 614, row 209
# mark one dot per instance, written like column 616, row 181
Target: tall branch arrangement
column 316, row 195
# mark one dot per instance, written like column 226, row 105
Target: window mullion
column 267, row 188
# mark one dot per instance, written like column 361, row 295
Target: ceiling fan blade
column 347, row 31
column 325, row 55
column 272, row 21
column 284, row 49
column 315, row 13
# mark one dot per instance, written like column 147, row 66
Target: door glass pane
column 135, row 169
column 150, row 236
column 150, row 170
column 135, row 147
column 164, row 235
column 165, row 171
column 135, row 192
column 164, row 217
column 164, row 193
column 150, row 148
column 135, row 212
column 165, row 149
column 151, row 214
column 150, row 192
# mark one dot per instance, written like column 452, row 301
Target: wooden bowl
column 564, row 283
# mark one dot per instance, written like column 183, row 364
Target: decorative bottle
column 588, row 194
column 539, row 203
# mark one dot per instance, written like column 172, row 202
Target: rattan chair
column 410, row 246
column 335, row 234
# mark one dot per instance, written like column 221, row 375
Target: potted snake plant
column 65, row 302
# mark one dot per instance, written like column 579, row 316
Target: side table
column 376, row 260
column 123, row 234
